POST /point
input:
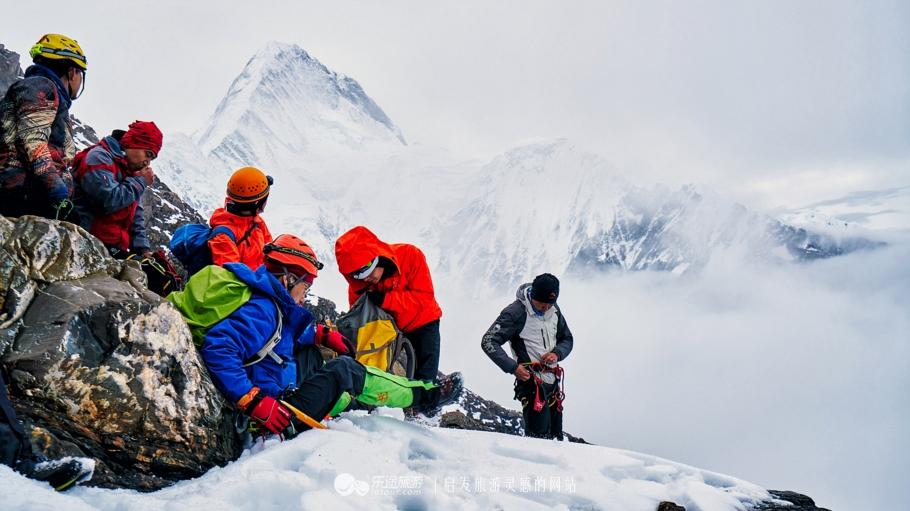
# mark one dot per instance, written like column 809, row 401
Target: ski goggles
column 365, row 271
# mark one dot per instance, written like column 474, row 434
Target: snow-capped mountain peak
column 286, row 106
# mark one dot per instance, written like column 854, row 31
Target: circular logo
column 345, row 484
column 361, row 487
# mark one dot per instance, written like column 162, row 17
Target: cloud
column 793, row 376
column 697, row 91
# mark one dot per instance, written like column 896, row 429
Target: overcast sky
column 792, row 100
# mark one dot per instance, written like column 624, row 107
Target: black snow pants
column 426, row 350
column 547, row 423
column 319, row 385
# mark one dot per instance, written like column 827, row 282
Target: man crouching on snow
column 253, row 353
column 539, row 336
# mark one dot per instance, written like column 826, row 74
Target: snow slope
column 300, row 106
column 380, row 462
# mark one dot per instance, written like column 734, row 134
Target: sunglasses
column 293, row 280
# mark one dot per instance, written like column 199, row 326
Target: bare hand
column 522, row 374
column 147, row 174
column 549, row 358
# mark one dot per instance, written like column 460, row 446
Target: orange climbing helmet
column 248, row 184
column 293, row 254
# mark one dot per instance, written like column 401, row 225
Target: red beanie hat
column 142, row 135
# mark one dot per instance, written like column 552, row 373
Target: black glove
column 377, row 297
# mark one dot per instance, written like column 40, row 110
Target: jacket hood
column 263, row 282
column 357, row 247
column 523, row 295
column 113, row 146
column 45, row 72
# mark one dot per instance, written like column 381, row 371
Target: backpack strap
column 246, row 234
column 267, row 349
column 223, row 229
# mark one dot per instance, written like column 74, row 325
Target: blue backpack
column 190, row 245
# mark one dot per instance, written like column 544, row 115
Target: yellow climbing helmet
column 59, row 47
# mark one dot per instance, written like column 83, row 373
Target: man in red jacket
column 247, row 193
column 397, row 279
column 111, row 177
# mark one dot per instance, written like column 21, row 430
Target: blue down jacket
column 239, row 336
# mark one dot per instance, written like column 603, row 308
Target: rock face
column 481, row 414
column 165, row 211
column 101, row 367
column 10, row 70
column 789, row 501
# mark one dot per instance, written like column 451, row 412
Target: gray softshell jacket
column 530, row 335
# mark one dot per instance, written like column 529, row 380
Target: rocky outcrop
column 788, row 501
column 165, row 211
column 101, row 367
column 10, row 70
column 481, row 414
column 781, row 501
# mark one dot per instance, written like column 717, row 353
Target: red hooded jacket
column 251, row 234
column 409, row 295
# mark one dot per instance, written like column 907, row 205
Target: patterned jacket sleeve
column 36, row 108
column 509, row 323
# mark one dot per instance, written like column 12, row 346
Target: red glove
column 265, row 410
column 333, row 340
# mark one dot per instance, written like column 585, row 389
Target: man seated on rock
column 247, row 193
column 111, row 177
column 265, row 382
column 397, row 279
column 36, row 134
column 16, row 452
column 539, row 336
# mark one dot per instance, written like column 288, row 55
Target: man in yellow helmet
column 36, row 137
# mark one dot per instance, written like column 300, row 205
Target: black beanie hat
column 545, row 288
